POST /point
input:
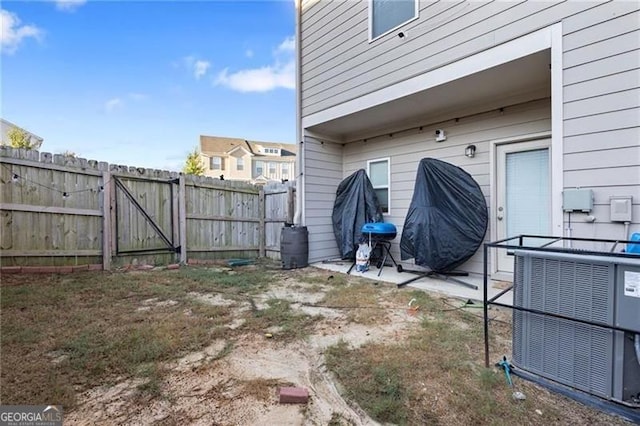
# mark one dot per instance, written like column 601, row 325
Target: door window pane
column 527, row 197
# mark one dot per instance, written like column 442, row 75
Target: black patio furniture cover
column 447, row 217
column 356, row 204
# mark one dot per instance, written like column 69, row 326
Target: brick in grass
column 293, row 395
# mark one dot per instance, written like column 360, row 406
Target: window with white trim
column 272, row 169
column 216, row 163
column 275, row 151
column 239, row 163
column 387, row 15
column 378, row 171
column 285, row 171
column 259, row 168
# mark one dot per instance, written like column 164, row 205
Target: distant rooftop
column 218, row 145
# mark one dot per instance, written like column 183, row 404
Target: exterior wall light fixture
column 470, row 151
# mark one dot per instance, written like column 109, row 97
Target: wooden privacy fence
column 57, row 210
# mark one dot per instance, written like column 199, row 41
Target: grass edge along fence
column 58, row 211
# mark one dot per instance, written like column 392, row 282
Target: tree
column 193, row 165
column 18, row 138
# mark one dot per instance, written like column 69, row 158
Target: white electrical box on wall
column 620, row 208
column 577, row 199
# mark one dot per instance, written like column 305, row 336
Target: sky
column 137, row 82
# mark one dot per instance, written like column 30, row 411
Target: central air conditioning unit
column 598, row 289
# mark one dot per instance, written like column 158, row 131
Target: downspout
column 298, row 217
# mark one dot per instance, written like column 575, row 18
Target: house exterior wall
column 250, row 172
column 339, row 63
column 323, row 172
column 601, row 63
column 406, row 149
column 600, row 98
column 274, row 168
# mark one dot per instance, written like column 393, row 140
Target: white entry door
column 523, row 196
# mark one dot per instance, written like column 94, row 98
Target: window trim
column 372, row 38
column 388, row 186
column 240, row 164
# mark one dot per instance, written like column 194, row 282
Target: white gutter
column 298, row 218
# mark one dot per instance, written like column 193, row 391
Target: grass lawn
column 64, row 335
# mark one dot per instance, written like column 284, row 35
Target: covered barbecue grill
column 356, row 204
column 447, row 218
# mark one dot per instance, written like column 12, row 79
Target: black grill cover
column 447, row 218
column 356, row 204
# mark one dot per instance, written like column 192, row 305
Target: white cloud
column 69, row 5
column 120, row 102
column 12, row 33
column 198, row 67
column 259, row 79
column 113, row 104
column 280, row 74
column 248, row 53
column 288, row 45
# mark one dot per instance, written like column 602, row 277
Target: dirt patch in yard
column 213, row 345
column 240, row 387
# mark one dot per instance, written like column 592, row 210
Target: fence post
column 175, row 215
column 182, row 211
column 262, row 212
column 113, row 200
column 106, row 220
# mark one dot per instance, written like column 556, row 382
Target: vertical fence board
column 106, row 220
column 183, row 220
column 262, row 214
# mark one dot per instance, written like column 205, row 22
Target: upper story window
column 387, row 15
column 272, row 151
column 272, row 169
column 216, row 163
column 378, row 171
column 239, row 163
column 285, row 171
column 259, row 168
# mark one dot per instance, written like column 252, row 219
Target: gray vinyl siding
column 601, row 62
column 406, row 150
column 322, row 175
column 340, row 64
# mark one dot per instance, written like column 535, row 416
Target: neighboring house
column 546, row 93
column 7, row 126
column 239, row 159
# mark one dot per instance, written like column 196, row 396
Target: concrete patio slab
column 449, row 287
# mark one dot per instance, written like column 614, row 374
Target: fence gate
column 145, row 216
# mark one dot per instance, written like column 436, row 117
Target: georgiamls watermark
column 30, row 415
